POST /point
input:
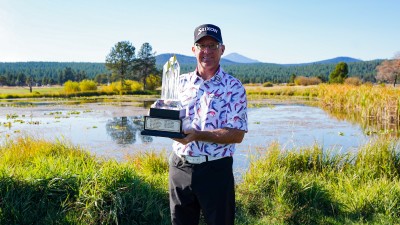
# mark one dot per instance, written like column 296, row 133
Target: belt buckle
column 183, row 158
column 194, row 159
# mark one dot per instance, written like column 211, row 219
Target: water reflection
column 114, row 130
column 124, row 130
column 121, row 130
column 371, row 125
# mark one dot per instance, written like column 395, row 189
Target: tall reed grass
column 58, row 183
column 371, row 102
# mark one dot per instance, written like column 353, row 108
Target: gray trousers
column 208, row 187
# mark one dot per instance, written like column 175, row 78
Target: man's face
column 208, row 53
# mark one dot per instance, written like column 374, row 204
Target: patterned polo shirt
column 215, row 103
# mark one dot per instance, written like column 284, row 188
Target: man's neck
column 206, row 74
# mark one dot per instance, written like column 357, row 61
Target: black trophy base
column 168, row 113
column 163, row 134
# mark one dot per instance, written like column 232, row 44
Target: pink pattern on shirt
column 216, row 103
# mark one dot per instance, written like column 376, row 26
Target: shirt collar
column 217, row 78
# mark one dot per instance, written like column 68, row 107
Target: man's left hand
column 221, row 136
column 190, row 136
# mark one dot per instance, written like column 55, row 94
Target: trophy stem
column 170, row 79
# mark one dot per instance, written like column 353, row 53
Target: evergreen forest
column 51, row 73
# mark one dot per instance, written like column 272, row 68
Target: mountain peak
column 338, row 59
column 236, row 57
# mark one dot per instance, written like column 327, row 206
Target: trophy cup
column 166, row 114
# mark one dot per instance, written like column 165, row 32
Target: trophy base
column 168, row 113
column 163, row 134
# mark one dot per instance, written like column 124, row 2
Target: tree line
column 48, row 73
column 275, row 73
column 123, row 63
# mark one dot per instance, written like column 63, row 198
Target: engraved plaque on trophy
column 166, row 114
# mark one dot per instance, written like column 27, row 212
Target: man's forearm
column 221, row 136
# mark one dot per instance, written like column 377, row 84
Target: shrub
column 268, row 84
column 153, row 82
column 113, row 87
column 301, row 80
column 353, row 81
column 127, row 85
column 71, row 87
column 130, row 85
column 106, row 88
column 109, row 88
column 87, row 85
column 134, row 85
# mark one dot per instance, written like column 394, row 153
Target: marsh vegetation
column 55, row 182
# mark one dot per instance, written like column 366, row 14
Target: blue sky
column 284, row 31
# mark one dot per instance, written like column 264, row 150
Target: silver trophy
column 166, row 114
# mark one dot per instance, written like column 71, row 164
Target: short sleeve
column 237, row 110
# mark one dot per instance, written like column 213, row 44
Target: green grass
column 59, row 92
column 25, row 90
column 57, row 183
column 309, row 186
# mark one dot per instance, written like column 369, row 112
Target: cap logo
column 205, row 29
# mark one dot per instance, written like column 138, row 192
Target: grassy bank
column 258, row 91
column 312, row 187
column 59, row 92
column 25, row 90
column 56, row 183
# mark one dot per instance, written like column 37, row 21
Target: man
column 200, row 175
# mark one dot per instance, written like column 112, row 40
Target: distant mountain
column 338, row 60
column 236, row 57
column 329, row 61
column 183, row 59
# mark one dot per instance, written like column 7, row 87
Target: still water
column 114, row 130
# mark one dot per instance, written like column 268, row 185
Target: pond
column 113, row 129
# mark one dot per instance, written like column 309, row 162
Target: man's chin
column 207, row 64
